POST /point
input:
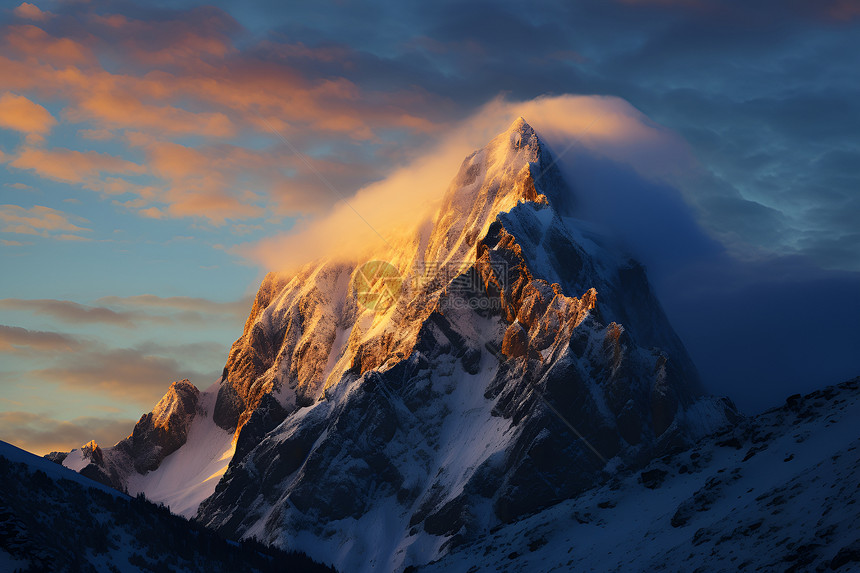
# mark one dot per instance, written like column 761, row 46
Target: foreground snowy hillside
column 779, row 492
column 52, row 519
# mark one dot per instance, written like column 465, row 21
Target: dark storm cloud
column 758, row 330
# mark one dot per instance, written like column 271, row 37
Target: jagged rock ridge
column 138, row 464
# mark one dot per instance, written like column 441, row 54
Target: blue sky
column 139, row 172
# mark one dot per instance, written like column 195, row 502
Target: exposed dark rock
column 652, row 479
column 162, row 431
column 847, row 555
column 57, row 457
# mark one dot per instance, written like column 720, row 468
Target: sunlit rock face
column 521, row 355
column 155, row 436
column 162, row 431
column 301, row 327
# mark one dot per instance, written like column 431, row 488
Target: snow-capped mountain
column 520, row 353
column 385, row 413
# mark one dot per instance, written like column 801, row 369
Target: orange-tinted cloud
column 201, row 182
column 35, row 43
column 19, row 186
column 15, row 339
column 72, row 312
column 232, row 85
column 182, row 76
column 42, row 221
column 117, row 110
column 96, row 134
column 73, row 166
column 31, row 12
column 199, row 33
column 41, row 434
column 21, row 114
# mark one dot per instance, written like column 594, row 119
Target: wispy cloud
column 135, row 375
column 21, row 114
column 41, row 434
column 608, row 127
column 186, row 306
column 42, row 221
column 128, row 375
column 14, row 339
column 72, row 166
column 73, row 312
column 134, row 311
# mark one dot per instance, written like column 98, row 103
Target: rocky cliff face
column 155, row 436
column 521, row 358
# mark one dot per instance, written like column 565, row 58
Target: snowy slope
column 53, row 519
column 53, row 471
column 777, row 493
column 189, row 475
column 181, row 478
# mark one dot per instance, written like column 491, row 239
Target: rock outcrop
column 155, row 436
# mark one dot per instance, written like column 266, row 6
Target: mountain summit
column 520, row 360
column 381, row 413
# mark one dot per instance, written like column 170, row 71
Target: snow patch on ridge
column 76, row 461
column 189, row 475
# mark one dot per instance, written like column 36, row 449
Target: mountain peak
column 520, row 126
column 180, row 400
column 517, row 143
